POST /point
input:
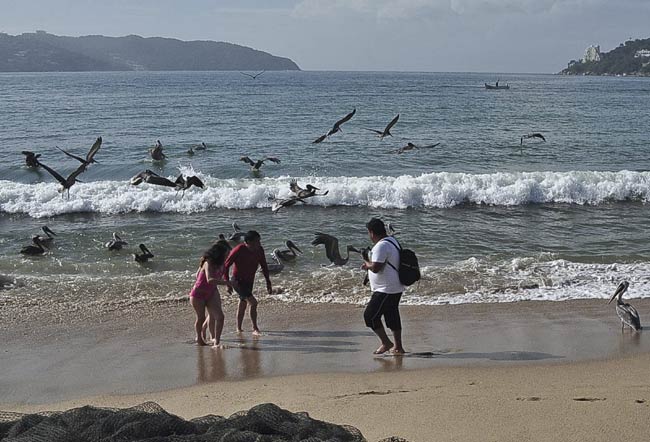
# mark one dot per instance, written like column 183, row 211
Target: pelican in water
column 628, row 314
column 253, row 76
column 256, row 165
column 386, row 131
column 237, row 234
column 411, row 146
column 145, row 256
column 332, row 248
column 181, row 183
column 190, row 151
column 37, row 249
column 277, row 266
column 308, row 192
column 89, row 156
column 116, row 243
column 336, row 128
column 533, row 135
column 156, row 152
column 288, row 254
column 31, row 158
column 201, row 146
column 49, row 236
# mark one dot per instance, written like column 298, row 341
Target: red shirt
column 245, row 263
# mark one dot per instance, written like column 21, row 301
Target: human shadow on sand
column 319, row 333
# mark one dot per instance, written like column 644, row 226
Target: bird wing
column 539, row 136
column 373, row 130
column 247, row 161
column 294, row 187
column 73, row 176
column 258, row 74
column 248, row 75
column 391, row 124
column 81, row 160
column 331, row 244
column 628, row 315
column 54, row 173
column 28, row 154
column 319, row 139
column 194, row 181
column 343, row 120
column 429, row 146
column 152, row 178
column 93, row 150
column 273, row 159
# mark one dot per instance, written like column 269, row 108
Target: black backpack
column 409, row 269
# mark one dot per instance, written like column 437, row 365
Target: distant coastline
column 44, row 52
column 631, row 58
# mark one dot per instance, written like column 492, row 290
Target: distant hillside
column 43, row 52
column 629, row 58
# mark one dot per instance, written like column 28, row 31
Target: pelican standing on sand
column 33, row 250
column 386, row 131
column 331, row 244
column 628, row 314
column 116, row 243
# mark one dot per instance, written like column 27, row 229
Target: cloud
column 414, row 9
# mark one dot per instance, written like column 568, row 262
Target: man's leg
column 372, row 318
column 253, row 312
column 394, row 321
column 241, row 309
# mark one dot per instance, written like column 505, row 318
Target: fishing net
column 148, row 422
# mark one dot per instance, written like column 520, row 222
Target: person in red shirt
column 245, row 258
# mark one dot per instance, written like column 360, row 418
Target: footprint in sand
column 531, row 398
column 640, row 401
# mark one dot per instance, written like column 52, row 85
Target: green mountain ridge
column 44, row 52
column 619, row 61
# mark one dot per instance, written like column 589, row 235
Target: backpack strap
column 398, row 247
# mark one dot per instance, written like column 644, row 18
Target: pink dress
column 202, row 288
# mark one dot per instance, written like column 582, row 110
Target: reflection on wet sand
column 211, row 364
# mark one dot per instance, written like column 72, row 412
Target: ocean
column 490, row 219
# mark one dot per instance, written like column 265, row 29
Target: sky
column 501, row 36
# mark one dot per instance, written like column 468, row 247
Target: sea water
column 491, row 219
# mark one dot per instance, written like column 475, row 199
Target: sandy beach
column 522, row 371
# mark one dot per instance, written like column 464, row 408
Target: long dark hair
column 216, row 254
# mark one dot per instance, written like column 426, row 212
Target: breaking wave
column 438, row 190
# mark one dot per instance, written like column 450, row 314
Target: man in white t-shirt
column 382, row 265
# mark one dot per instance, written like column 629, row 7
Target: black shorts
column 243, row 289
column 386, row 305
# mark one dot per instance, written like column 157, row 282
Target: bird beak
column 619, row 291
column 296, row 247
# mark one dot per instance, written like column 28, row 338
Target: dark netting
column 148, row 422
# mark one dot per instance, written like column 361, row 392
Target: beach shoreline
column 520, row 371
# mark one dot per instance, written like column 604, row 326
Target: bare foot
column 200, row 342
column 257, row 333
column 220, row 346
column 397, row 351
column 382, row 349
column 239, row 331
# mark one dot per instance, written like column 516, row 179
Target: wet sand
column 524, row 371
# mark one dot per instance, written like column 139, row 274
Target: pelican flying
column 89, row 156
column 533, row 135
column 253, row 76
column 256, row 165
column 308, row 192
column 331, row 244
column 181, row 183
column 628, row 314
column 411, row 146
column 336, row 128
column 386, row 131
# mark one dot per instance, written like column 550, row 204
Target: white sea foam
column 440, row 190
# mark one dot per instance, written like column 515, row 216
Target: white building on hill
column 642, row 53
column 592, row 53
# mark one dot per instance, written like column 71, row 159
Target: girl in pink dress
column 205, row 293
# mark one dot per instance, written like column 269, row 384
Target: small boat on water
column 497, row 86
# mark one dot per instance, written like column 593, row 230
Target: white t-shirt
column 387, row 280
